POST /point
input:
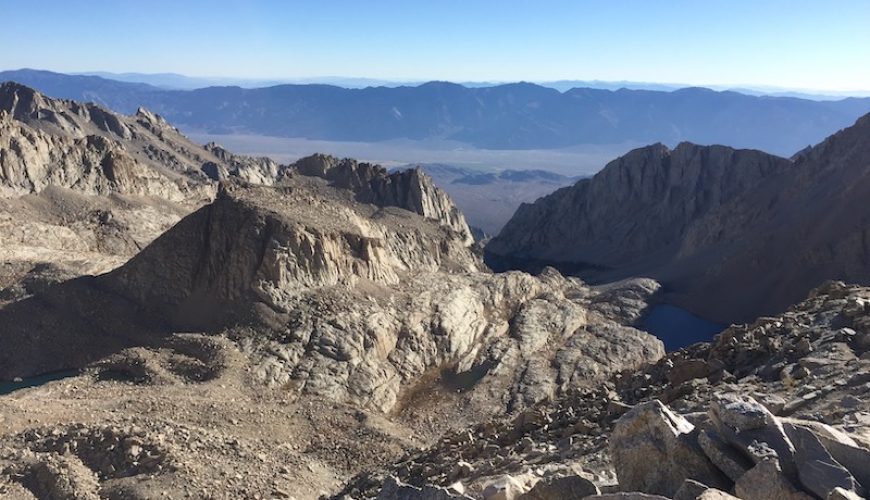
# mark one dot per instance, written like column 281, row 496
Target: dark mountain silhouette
column 731, row 234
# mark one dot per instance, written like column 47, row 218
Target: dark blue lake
column 677, row 327
column 7, row 387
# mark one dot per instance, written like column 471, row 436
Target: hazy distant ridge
column 511, row 116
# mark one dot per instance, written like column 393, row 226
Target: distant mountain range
column 511, row 116
column 177, row 81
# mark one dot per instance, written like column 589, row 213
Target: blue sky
column 823, row 45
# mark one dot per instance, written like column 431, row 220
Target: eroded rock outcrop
column 346, row 300
column 51, row 142
column 259, row 170
column 714, row 420
column 410, row 189
column 84, row 189
column 312, row 300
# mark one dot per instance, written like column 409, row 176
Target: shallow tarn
column 677, row 327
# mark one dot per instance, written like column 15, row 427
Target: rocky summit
column 179, row 321
column 732, row 234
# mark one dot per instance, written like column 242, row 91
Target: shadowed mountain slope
column 732, row 234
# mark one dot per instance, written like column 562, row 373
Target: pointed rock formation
column 410, row 189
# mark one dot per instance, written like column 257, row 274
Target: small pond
column 677, row 327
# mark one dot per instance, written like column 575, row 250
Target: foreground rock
column 710, row 421
column 789, row 459
column 655, row 451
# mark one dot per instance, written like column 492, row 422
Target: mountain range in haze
column 511, row 116
column 176, row 81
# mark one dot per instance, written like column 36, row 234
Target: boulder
column 751, row 428
column 766, row 481
column 628, row 495
column 690, row 490
column 504, row 488
column 693, row 490
column 817, row 469
column 687, row 370
column 845, row 450
column 724, row 457
column 393, row 489
column 561, row 488
column 654, row 451
column 460, row 470
column 841, row 494
column 714, row 494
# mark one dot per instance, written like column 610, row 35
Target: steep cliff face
column 410, row 189
column 259, row 170
column 636, row 210
column 790, row 233
column 262, row 244
column 734, row 234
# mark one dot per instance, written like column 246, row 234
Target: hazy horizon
column 713, row 44
column 349, row 81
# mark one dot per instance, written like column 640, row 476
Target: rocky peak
column 253, row 170
column 20, row 101
column 411, row 189
column 849, row 144
column 153, row 121
column 634, row 210
column 218, row 150
column 267, row 245
column 317, row 165
column 59, row 116
column 54, row 142
column 733, row 234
